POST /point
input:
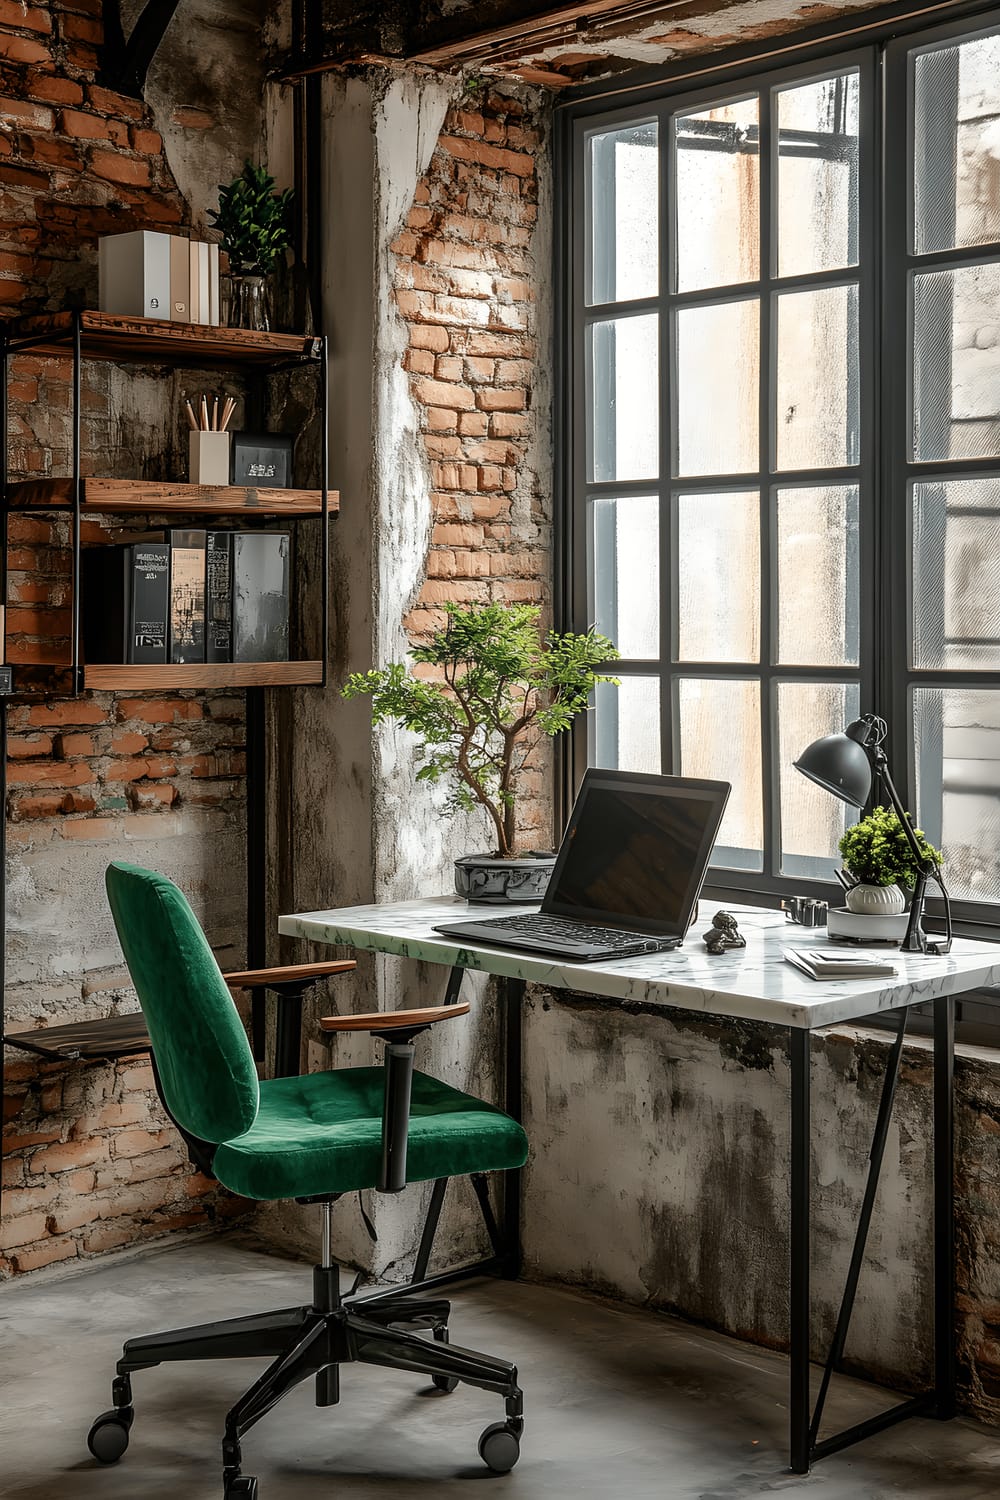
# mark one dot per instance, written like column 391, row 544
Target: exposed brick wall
column 466, row 278
column 90, row 1161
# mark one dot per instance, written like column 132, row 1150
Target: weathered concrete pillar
column 352, row 823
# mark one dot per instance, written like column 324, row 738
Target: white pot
column 875, row 900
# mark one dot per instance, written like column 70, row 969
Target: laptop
column 628, row 874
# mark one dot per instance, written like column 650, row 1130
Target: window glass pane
column 624, row 398
column 718, row 354
column 818, row 576
column 624, row 567
column 817, row 399
column 717, row 176
column 720, row 738
column 718, row 596
column 956, row 574
column 956, row 115
column 812, row 822
column 818, row 175
column 957, row 734
column 956, row 370
column 623, row 209
column 625, row 725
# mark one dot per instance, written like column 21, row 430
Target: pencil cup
column 209, row 457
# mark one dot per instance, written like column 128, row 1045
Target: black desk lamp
column 844, row 764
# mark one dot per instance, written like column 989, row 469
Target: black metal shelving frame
column 79, row 340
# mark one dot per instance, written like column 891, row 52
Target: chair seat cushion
column 322, row 1133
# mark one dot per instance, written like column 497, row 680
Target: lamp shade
column 839, row 764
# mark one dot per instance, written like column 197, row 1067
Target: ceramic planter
column 489, row 880
column 875, row 900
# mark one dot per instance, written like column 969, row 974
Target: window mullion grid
column 669, row 563
column 765, row 462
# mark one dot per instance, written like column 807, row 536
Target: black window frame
column 884, row 269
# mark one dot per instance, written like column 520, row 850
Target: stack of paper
column 832, row 963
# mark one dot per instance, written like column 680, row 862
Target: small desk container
column 209, row 457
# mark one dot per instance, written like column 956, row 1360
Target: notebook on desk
column 628, row 874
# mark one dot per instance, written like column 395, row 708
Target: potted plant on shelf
column 876, row 853
column 494, row 680
column 253, row 221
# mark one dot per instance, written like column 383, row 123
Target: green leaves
column 877, row 852
column 492, row 678
column 253, row 220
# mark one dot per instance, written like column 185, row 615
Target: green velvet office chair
column 311, row 1138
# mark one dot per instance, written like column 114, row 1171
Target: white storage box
column 134, row 272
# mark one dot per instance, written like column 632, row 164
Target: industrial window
column 782, row 462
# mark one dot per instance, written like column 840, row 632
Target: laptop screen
column 636, row 850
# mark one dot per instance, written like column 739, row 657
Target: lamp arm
column 916, row 940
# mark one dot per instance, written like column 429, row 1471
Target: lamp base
column 849, row 926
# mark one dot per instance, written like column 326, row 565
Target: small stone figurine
column 723, row 933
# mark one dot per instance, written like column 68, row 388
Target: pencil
column 192, row 419
column 204, row 414
column 215, row 413
column 227, row 414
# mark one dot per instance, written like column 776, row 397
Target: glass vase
column 250, row 303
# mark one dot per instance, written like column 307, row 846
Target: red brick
column 68, row 1155
column 76, row 711
column 53, row 89
column 119, row 169
column 435, row 393
column 136, row 1142
column 19, row 748
column 80, row 28
column 23, row 49
column 24, row 808
column 87, row 127
column 69, row 1216
column 429, row 336
column 129, row 743
column 45, row 1254
column 108, row 103
column 38, row 773
column 74, row 744
column 124, row 770
column 500, row 400
column 148, row 796
column 158, row 710
column 26, row 115
column 109, row 1237
column 517, row 162
column 193, row 119
column 24, row 17
column 148, row 142
column 509, row 425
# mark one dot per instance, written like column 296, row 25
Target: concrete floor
column 620, row 1404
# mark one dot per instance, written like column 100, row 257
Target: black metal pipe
column 875, row 1159
column 430, row 1229
column 511, row 999
column 798, row 1332
column 288, row 1032
column 256, row 861
column 77, row 499
column 396, row 1115
column 944, row 1206
column 917, row 1407
column 493, row 1265
column 325, row 522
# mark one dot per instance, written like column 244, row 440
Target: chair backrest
column 202, row 1055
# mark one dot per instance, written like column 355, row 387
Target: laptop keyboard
column 537, row 925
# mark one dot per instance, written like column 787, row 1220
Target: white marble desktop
column 754, row 983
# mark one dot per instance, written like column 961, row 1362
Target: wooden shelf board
column 115, row 676
column 112, row 1036
column 144, row 495
column 159, row 340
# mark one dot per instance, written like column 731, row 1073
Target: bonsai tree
column 253, row 220
column 876, row 852
column 493, row 679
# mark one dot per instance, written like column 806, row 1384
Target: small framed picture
column 263, row 459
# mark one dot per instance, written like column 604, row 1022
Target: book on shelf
column 187, row 594
column 219, row 596
column 126, row 595
column 260, row 595
column 830, row 963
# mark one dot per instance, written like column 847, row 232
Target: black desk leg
column 798, row 1288
column 511, row 1006
column 944, row 1206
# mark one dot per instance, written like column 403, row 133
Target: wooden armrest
column 253, row 979
column 394, row 1020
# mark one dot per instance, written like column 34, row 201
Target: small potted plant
column 254, row 225
column 876, row 852
column 493, row 680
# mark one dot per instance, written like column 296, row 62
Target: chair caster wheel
column 499, row 1448
column 243, row 1487
column 445, row 1383
column 108, row 1438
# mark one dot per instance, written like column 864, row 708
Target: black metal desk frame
column 805, row 1416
